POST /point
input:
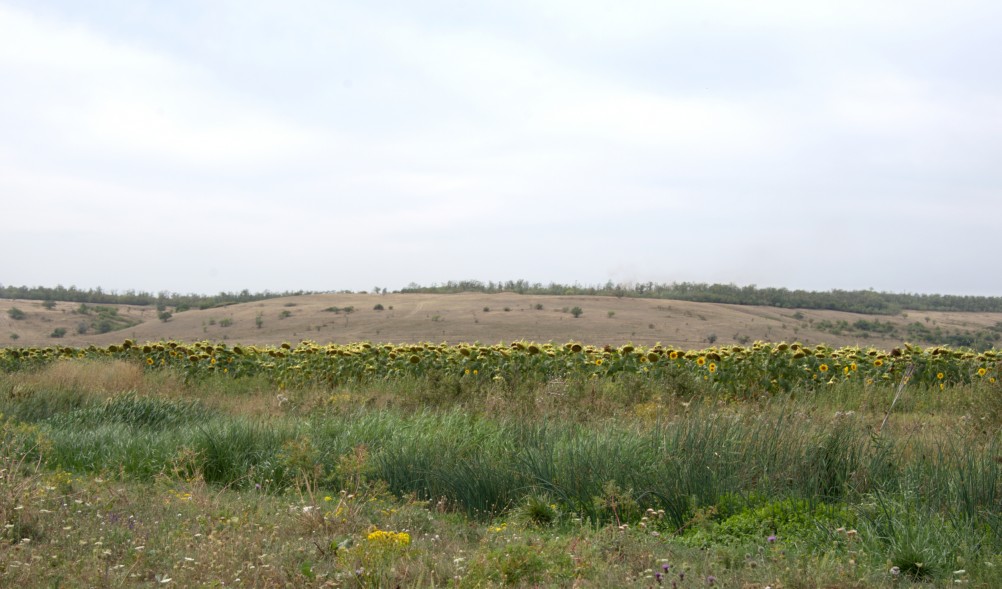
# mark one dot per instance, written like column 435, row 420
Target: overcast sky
column 206, row 146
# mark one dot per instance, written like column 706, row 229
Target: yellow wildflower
column 385, row 538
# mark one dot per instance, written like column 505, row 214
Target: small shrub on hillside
column 58, row 332
column 378, row 307
column 16, row 314
column 49, row 304
column 576, row 311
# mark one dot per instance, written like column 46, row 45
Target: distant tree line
column 98, row 296
column 855, row 301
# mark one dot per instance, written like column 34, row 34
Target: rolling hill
column 487, row 318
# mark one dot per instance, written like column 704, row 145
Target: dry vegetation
column 470, row 317
column 112, row 475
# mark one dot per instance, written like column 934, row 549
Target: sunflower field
column 739, row 371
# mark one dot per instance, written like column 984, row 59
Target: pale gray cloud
column 206, row 146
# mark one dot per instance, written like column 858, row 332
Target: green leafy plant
column 537, row 510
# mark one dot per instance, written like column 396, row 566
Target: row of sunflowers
column 760, row 367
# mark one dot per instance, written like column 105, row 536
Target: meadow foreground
column 479, row 466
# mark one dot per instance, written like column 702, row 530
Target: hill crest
column 488, row 318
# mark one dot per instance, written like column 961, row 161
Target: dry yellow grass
column 461, row 318
column 112, row 376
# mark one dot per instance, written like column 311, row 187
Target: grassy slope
column 461, row 318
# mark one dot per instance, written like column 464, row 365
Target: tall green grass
column 486, row 466
column 925, row 490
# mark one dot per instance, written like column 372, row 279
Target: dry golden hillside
column 467, row 317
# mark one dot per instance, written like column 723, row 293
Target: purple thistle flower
column 657, row 577
column 772, row 538
column 665, row 567
column 711, row 580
